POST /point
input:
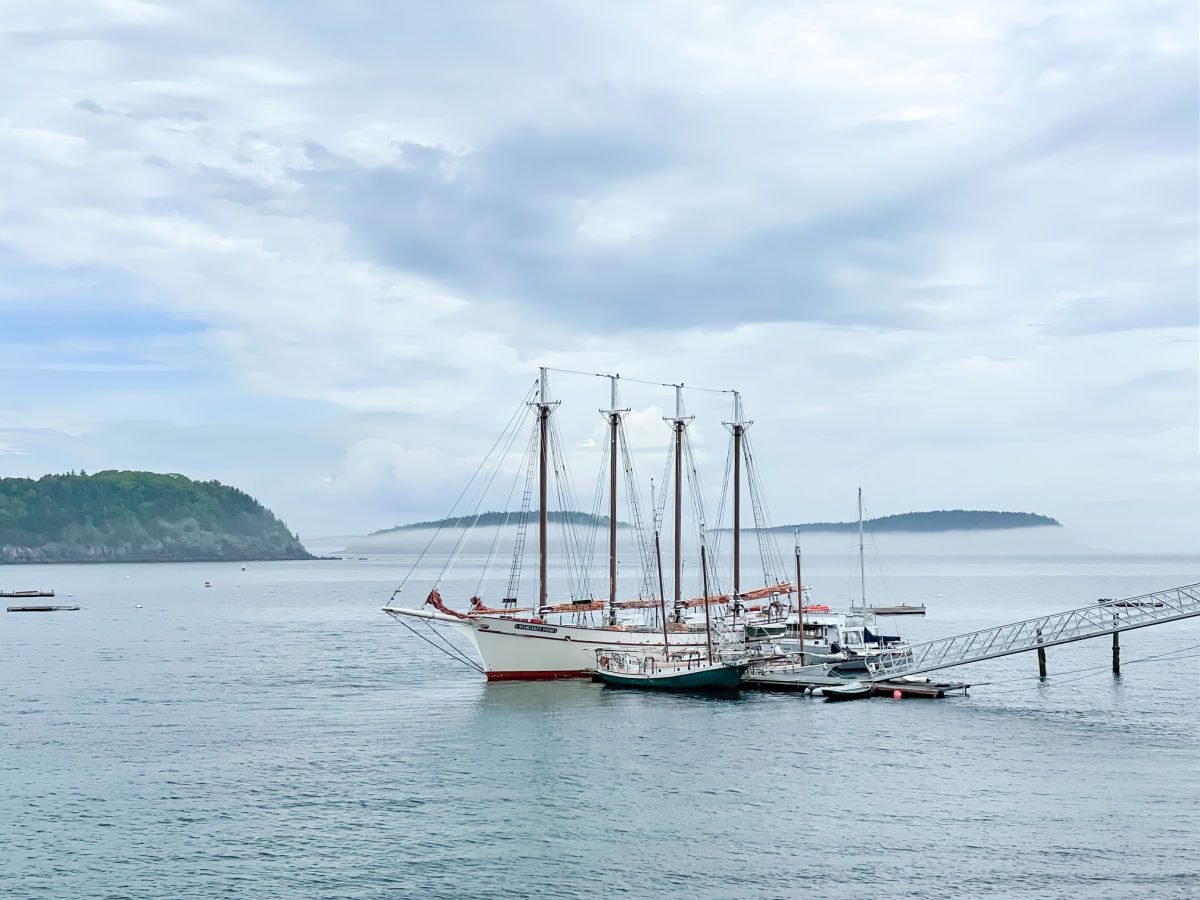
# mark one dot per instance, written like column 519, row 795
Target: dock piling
column 1041, row 657
column 1116, row 649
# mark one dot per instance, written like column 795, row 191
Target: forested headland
column 571, row 517
column 118, row 516
column 934, row 521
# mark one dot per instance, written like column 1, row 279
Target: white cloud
column 940, row 248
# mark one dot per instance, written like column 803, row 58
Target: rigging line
column 516, row 415
column 635, row 506
column 1092, row 671
column 455, row 652
column 455, row 655
column 518, row 558
column 887, row 593
column 571, row 504
column 566, row 501
column 686, row 387
column 1165, row 656
column 597, row 500
column 517, row 478
column 466, row 531
column 699, row 510
column 768, row 545
column 717, row 529
column 661, row 506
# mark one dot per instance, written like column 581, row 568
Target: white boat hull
column 516, row 650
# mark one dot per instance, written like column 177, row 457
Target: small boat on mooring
column 854, row 690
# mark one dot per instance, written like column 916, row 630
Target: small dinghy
column 852, row 690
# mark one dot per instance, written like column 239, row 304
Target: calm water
column 276, row 736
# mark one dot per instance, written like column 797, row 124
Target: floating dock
column 42, row 608
column 23, row 594
column 904, row 609
column 809, row 679
column 1107, row 617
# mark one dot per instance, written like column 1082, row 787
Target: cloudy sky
column 947, row 250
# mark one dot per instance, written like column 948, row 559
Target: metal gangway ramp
column 1104, row 617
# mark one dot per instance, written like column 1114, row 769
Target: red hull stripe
column 535, row 675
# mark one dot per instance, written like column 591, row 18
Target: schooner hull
column 513, row 650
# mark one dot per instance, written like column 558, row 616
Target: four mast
column 678, row 423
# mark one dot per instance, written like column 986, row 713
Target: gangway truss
column 1104, row 617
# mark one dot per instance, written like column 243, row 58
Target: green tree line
column 133, row 516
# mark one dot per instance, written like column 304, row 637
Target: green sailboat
column 686, row 669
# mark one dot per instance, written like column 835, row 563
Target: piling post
column 1041, row 657
column 1116, row 649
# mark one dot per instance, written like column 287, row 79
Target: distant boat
column 1104, row 601
column 208, row 584
column 26, row 593
column 903, row 609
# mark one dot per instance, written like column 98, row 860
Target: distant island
column 116, row 516
column 499, row 518
column 935, row 521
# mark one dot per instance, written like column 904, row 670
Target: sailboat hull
column 515, row 650
column 709, row 678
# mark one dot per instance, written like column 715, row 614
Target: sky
column 947, row 251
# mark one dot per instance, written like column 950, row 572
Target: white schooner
column 548, row 639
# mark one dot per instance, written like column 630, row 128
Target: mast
column 862, row 572
column 738, row 428
column 737, row 503
column 543, row 407
column 679, row 422
column 707, row 615
column 799, row 597
column 662, row 594
column 614, row 423
column 678, row 508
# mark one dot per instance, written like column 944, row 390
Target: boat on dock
column 787, row 675
column 912, row 687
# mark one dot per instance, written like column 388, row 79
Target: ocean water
column 275, row 735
